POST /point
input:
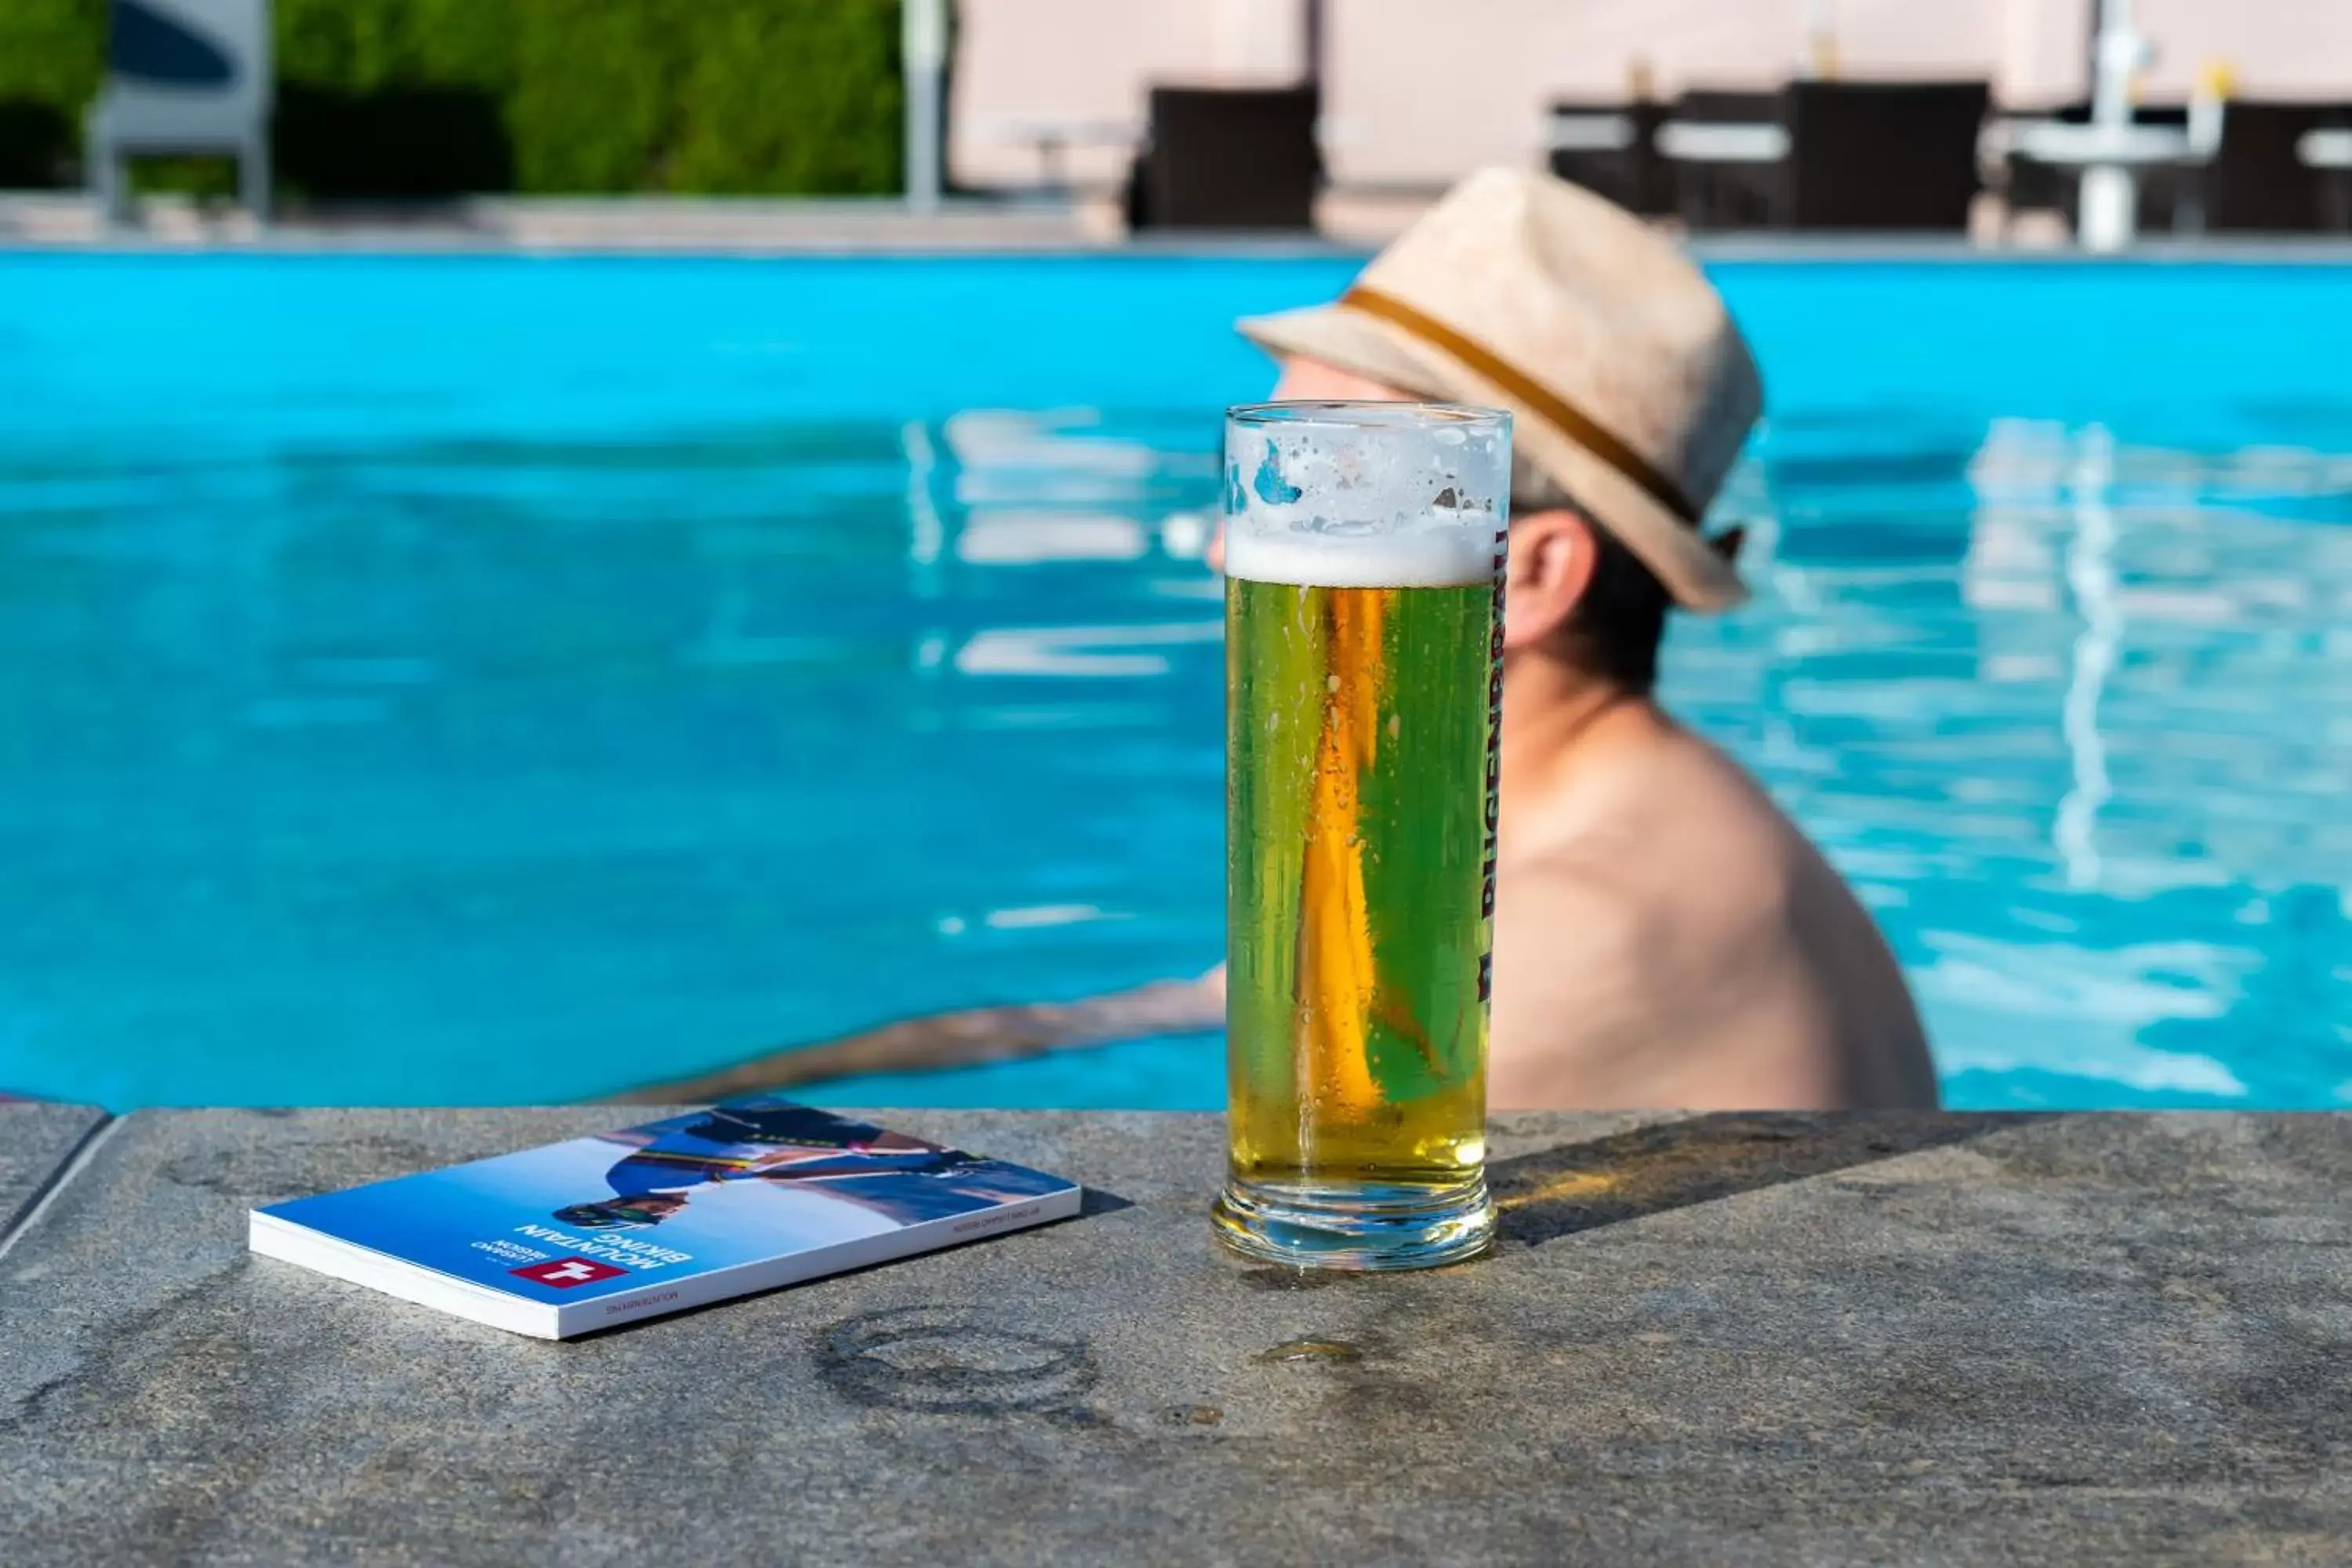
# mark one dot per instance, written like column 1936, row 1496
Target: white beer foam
column 1439, row 557
column 1365, row 495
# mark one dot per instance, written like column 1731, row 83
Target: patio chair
column 1724, row 195
column 1228, row 158
column 2258, row 182
column 184, row 77
column 1633, row 175
column 1883, row 155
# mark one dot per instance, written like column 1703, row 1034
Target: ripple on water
column 484, row 763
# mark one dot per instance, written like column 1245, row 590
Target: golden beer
column 1364, row 688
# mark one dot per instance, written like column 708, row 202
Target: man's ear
column 1552, row 558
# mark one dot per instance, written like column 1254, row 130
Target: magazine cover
column 576, row 1235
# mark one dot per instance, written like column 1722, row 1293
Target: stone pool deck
column 1723, row 1339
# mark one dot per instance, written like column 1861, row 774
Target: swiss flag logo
column 563, row 1273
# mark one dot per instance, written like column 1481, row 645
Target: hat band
column 1547, row 404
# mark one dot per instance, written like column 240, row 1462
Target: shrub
column 51, row 54
column 36, row 145
column 433, row 97
column 821, row 111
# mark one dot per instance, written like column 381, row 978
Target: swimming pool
column 446, row 680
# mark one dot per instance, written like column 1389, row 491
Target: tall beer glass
column 1364, row 549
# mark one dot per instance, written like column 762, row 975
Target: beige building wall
column 1436, row 88
column 1419, row 91
column 2276, row 48
column 1089, row 64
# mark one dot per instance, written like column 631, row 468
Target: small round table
column 2111, row 157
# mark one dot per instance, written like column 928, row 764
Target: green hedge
column 51, row 55
column 429, row 97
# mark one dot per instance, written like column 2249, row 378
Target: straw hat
column 1627, row 380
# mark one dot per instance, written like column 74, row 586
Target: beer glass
column 1364, row 550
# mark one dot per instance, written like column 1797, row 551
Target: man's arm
column 964, row 1039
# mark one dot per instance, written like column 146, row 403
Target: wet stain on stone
column 1331, row 1352
column 949, row 1362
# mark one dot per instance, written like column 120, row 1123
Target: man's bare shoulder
column 1640, row 901
column 1667, row 827
column 1665, row 935
column 1663, row 924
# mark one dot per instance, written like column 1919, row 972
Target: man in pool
column 1665, row 936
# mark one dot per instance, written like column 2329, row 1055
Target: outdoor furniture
column 1725, row 148
column 2329, row 154
column 1612, row 149
column 1698, row 141
column 1052, row 135
column 1856, row 1338
column 1228, row 158
column 2166, row 188
column 184, row 77
column 2028, row 184
column 2115, row 155
column 1882, row 155
column 2328, row 150
column 2260, row 180
column 1828, row 155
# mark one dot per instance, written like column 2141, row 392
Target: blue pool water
column 476, row 679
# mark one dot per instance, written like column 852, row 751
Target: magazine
column 579, row 1236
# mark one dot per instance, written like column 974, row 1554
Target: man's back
column 1666, row 937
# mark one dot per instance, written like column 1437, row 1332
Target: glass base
column 1362, row 1226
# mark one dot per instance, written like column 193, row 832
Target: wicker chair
column 1883, row 155
column 1228, row 158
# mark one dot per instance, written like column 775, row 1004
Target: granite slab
column 1722, row 1338
column 37, row 1140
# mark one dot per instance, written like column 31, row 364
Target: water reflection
column 462, row 770
column 476, row 771
column 2090, row 574
column 2075, row 714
